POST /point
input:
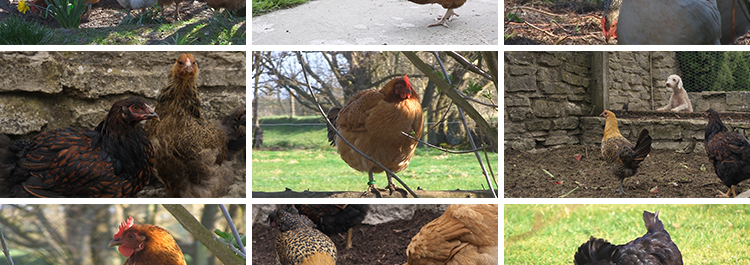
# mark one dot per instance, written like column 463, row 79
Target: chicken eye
column 131, row 236
column 136, row 107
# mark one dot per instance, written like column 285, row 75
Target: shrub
column 16, row 31
column 67, row 12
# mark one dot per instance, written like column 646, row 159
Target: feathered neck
column 714, row 126
column 123, row 141
column 610, row 127
column 159, row 244
column 180, row 95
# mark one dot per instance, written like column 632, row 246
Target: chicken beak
column 114, row 243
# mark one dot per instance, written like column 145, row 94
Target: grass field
column 551, row 234
column 299, row 158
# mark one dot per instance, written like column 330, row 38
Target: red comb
column 124, row 225
column 406, row 78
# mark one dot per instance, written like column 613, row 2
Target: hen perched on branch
column 729, row 153
column 146, row 244
column 372, row 121
column 189, row 149
column 299, row 242
column 655, row 247
column 464, row 234
column 447, row 4
column 619, row 153
column 333, row 219
column 113, row 160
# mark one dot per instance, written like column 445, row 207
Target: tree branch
column 215, row 245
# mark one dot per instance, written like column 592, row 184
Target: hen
column 679, row 22
column 227, row 4
column 136, row 4
column 734, row 19
column 189, row 150
column 234, row 125
column 113, row 160
column 372, row 121
column 729, row 153
column 299, row 242
column 653, row 248
column 165, row 3
column 333, row 219
column 466, row 234
column 146, row 244
column 447, row 4
column 623, row 157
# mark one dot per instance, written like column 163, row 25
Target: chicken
column 165, row 3
column 734, row 20
column 146, row 244
column 373, row 121
column 679, row 22
column 653, row 248
column 609, row 20
column 335, row 218
column 679, row 100
column 136, row 4
column 729, row 153
column 447, row 4
column 466, row 234
column 189, row 150
column 234, row 126
column 113, row 160
column 623, row 157
column 299, row 242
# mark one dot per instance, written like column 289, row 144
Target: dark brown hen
column 447, row 4
column 114, row 160
column 654, row 248
column 189, row 149
column 333, row 219
column 729, row 153
column 299, row 242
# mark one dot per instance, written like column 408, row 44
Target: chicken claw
column 442, row 20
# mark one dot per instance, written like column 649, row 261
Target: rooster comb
column 406, row 78
column 124, row 225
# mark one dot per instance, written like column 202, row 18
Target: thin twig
column 234, row 228
column 538, row 11
column 5, row 248
column 325, row 117
column 537, row 28
column 568, row 193
column 438, row 147
column 466, row 127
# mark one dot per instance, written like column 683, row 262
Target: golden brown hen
column 466, row 234
column 373, row 121
column 448, row 4
column 623, row 157
column 146, row 244
column 299, row 242
column 189, row 149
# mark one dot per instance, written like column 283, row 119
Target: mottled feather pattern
column 623, row 157
column 299, row 241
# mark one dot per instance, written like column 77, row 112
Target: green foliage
column 715, row 70
column 228, row 238
column 16, row 31
column 67, row 12
column 551, row 234
column 147, row 16
column 264, row 6
column 513, row 17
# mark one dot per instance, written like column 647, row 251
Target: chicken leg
column 726, row 195
column 349, row 238
column 443, row 20
column 619, row 190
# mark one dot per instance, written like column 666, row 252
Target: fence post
column 599, row 91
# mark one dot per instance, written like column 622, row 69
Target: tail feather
column 11, row 176
column 653, row 224
column 642, row 146
column 333, row 114
column 595, row 251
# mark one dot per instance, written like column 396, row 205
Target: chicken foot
column 619, row 190
column 444, row 19
column 374, row 190
column 726, row 195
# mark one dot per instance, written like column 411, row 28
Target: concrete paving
column 377, row 22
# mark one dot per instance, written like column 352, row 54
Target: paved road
column 377, row 22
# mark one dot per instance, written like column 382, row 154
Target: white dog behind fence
column 678, row 101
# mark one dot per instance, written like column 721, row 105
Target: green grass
column 551, row 234
column 264, row 6
column 303, row 160
column 14, row 30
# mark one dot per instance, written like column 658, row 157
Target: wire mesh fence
column 714, row 70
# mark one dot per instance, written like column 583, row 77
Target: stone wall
column 40, row 91
column 630, row 79
column 545, row 94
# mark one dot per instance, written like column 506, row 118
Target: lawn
column 551, row 234
column 296, row 155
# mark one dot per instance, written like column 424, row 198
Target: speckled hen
column 623, row 157
column 299, row 242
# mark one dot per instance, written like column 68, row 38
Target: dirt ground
column 558, row 22
column 372, row 244
column 665, row 174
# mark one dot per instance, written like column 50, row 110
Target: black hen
column 728, row 152
column 113, row 160
column 234, row 125
column 333, row 219
column 653, row 248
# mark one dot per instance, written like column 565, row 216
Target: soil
column 664, row 174
column 558, row 22
column 372, row 244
